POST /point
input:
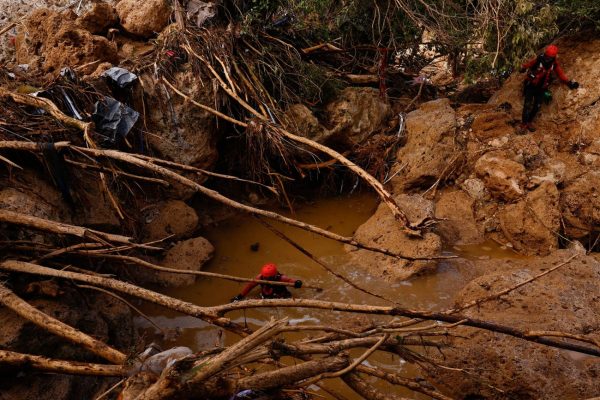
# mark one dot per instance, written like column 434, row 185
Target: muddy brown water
column 233, row 240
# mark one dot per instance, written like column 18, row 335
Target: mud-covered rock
column 580, row 205
column 189, row 254
column 531, row 224
column 504, row 367
column 552, row 171
column 457, row 223
column 170, row 218
column 181, row 132
column 492, row 124
column 354, row 116
column 474, row 187
column 383, row 230
column 99, row 18
column 503, row 178
column 430, row 132
column 51, row 40
column 144, row 18
column 303, row 122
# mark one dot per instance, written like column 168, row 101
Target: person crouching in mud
column 269, row 272
column 540, row 71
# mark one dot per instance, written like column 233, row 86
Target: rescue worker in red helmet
column 269, row 272
column 540, row 71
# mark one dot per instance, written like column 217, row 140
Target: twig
column 147, row 318
column 25, row 361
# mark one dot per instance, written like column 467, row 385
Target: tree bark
column 44, row 321
column 39, row 363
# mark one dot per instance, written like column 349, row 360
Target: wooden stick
column 214, row 314
column 117, row 172
column 155, row 267
column 385, row 196
column 167, row 388
column 396, row 379
column 508, row 290
column 44, row 321
column 132, row 290
column 25, row 361
column 132, row 159
column 60, row 228
column 138, row 161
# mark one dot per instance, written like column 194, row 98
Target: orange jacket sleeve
column 250, row 285
column 530, row 63
column 560, row 73
column 286, row 279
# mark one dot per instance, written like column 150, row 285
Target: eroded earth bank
column 111, row 178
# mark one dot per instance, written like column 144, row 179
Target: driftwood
column 133, row 159
column 203, row 313
column 215, row 314
column 60, row 228
column 45, row 364
column 44, row 321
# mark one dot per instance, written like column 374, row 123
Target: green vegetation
column 479, row 36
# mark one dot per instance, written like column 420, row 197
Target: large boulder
column 383, row 230
column 302, row 121
column 531, row 224
column 181, row 132
column 504, row 367
column 355, row 115
column 457, row 225
column 170, row 218
column 51, row 40
column 99, row 18
column 144, row 18
column 580, row 205
column 503, row 178
column 190, row 255
column 485, row 122
column 430, row 144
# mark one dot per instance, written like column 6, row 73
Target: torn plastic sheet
column 155, row 362
column 120, row 77
column 113, row 118
column 68, row 74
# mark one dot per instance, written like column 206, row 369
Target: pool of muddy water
column 243, row 245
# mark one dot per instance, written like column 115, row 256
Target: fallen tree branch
column 39, row 363
column 132, row 290
column 512, row 288
column 46, row 322
column 385, row 196
column 140, row 162
column 365, row 390
column 207, row 274
column 60, row 228
column 215, row 314
column 170, row 385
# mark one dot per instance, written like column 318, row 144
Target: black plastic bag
column 113, row 118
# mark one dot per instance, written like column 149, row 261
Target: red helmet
column 268, row 270
column 551, row 51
